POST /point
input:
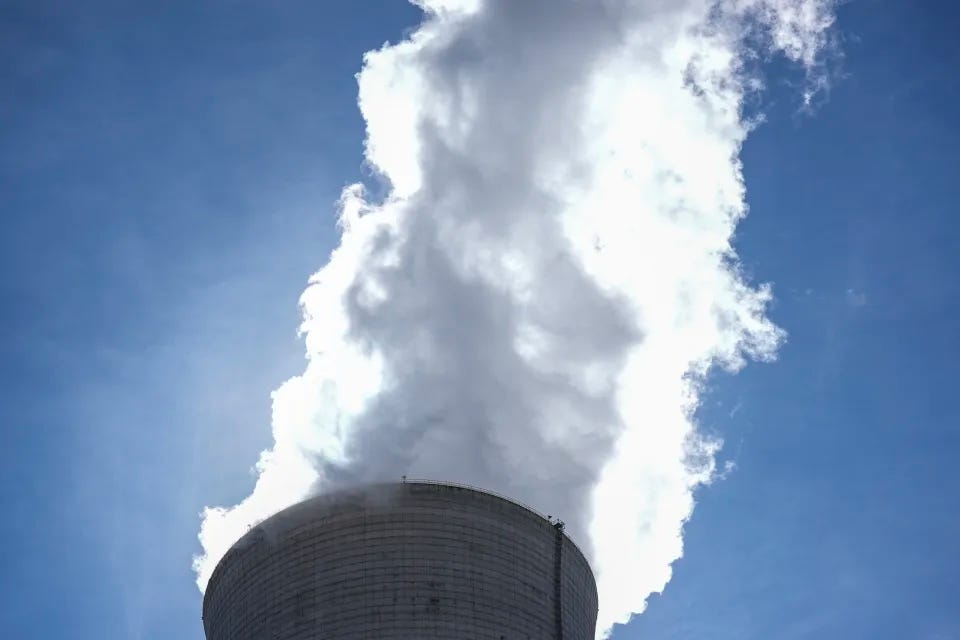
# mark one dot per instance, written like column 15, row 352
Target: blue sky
column 168, row 180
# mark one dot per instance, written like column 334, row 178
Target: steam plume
column 534, row 305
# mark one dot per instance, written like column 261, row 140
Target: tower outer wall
column 405, row 561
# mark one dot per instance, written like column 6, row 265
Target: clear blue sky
column 167, row 179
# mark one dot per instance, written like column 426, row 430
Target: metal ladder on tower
column 558, row 580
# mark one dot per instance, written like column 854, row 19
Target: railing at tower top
column 460, row 485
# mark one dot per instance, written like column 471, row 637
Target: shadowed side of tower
column 411, row 560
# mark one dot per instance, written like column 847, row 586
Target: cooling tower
column 411, row 560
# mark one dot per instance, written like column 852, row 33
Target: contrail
column 534, row 305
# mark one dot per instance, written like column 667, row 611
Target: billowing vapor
column 533, row 306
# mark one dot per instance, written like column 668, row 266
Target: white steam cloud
column 534, row 305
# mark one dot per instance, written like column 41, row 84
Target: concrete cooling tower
column 411, row 560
